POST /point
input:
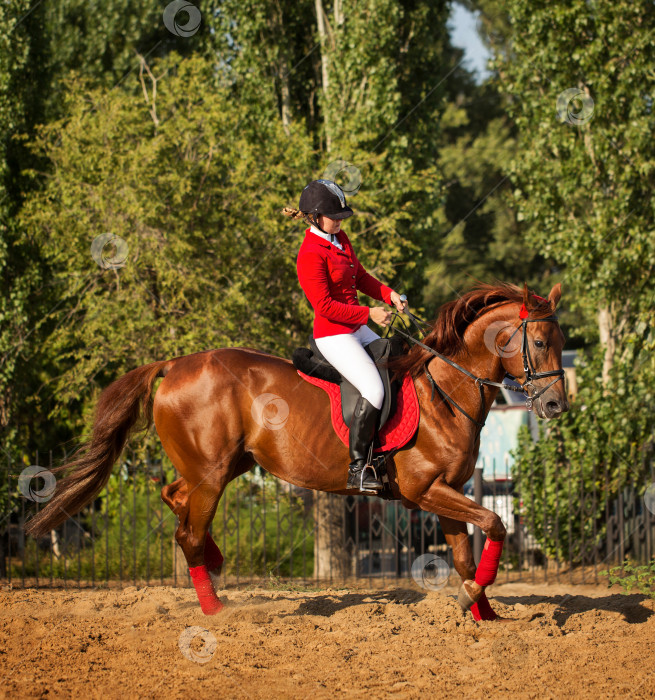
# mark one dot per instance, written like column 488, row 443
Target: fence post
column 331, row 559
column 477, row 497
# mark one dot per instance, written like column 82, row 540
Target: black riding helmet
column 324, row 197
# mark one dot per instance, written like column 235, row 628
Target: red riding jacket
column 330, row 278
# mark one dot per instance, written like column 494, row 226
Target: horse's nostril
column 553, row 407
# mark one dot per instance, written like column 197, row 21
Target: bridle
column 530, row 391
column 528, row 368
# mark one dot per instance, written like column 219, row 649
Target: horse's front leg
column 448, row 503
column 457, row 538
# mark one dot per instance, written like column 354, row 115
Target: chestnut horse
column 219, row 412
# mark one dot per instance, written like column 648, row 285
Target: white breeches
column 346, row 353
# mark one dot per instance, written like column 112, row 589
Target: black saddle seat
column 310, row 361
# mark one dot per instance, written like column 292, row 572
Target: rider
column 329, row 274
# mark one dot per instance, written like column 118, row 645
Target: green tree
column 481, row 234
column 580, row 77
column 192, row 190
column 24, row 276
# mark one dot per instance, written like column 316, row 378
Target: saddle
column 399, row 416
column 311, row 362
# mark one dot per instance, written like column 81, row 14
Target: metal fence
column 271, row 531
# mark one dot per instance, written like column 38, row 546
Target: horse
column 214, row 425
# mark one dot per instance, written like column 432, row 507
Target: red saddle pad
column 399, row 428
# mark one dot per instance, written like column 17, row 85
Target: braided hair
column 297, row 214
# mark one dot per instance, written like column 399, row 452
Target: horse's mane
column 447, row 334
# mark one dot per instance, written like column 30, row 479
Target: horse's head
column 499, row 330
column 532, row 353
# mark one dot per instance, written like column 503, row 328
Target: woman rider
column 329, row 274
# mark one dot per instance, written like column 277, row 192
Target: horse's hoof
column 467, row 598
column 211, row 607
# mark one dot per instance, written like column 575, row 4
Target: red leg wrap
column 213, row 556
column 482, row 610
column 487, row 569
column 209, row 601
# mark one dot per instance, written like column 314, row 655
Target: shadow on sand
column 329, row 604
column 567, row 605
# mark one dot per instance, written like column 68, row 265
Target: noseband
column 528, row 368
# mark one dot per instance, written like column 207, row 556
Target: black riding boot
column 362, row 430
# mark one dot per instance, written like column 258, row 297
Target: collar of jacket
column 326, row 236
column 318, row 240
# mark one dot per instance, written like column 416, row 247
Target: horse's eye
column 538, row 343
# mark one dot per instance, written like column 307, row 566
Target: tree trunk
column 331, row 560
column 276, row 26
column 325, row 73
column 285, row 95
column 607, row 340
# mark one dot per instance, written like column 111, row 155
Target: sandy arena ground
column 405, row 642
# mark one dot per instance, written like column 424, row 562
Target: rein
column 480, row 382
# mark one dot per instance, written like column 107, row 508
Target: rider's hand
column 395, row 300
column 380, row 316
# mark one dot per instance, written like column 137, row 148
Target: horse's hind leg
column 195, row 507
column 176, row 495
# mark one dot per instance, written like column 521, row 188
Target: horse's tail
column 117, row 412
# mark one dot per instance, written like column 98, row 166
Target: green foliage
column 585, row 458
column 482, row 238
column 372, row 99
column 459, row 181
column 275, row 534
column 128, row 533
column 194, row 190
column 633, row 577
column 22, row 274
column 193, row 180
column 584, row 187
column 583, row 175
column 267, row 56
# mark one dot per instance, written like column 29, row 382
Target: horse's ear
column 555, row 295
column 526, row 295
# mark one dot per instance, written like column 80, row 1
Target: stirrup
column 356, row 479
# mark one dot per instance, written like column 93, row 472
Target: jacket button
column 353, row 287
column 353, row 276
column 351, row 265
